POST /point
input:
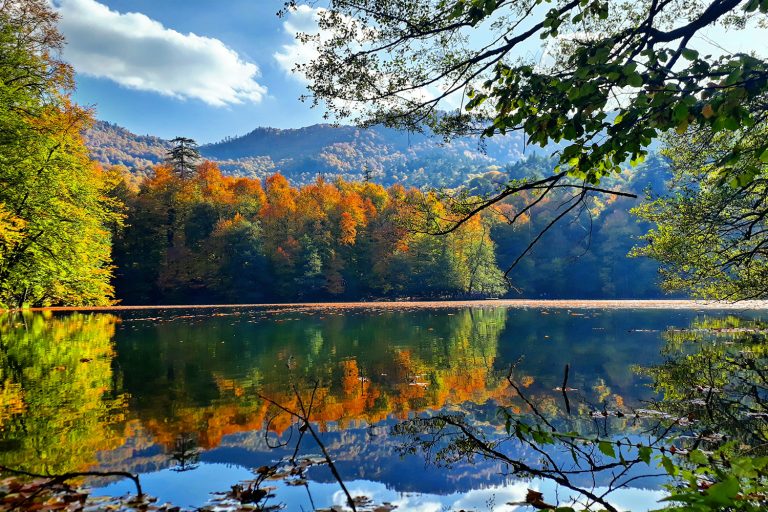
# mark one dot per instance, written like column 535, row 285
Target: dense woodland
column 223, row 239
column 587, row 253
column 215, row 238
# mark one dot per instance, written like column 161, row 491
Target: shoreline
column 661, row 304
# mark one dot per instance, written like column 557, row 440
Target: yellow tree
column 55, row 214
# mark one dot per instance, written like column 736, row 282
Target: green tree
column 617, row 75
column 183, row 156
column 711, row 232
column 55, row 214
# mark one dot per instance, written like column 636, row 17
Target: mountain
column 111, row 144
column 390, row 156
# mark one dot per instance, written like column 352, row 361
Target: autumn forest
column 224, row 239
column 320, row 311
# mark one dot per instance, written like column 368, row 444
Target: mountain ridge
column 389, row 156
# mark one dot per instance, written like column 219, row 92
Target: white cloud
column 139, row 52
column 303, row 19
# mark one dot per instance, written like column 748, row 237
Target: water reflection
column 59, row 399
column 175, row 395
column 714, row 381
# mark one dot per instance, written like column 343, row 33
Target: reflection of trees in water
column 185, row 453
column 58, row 382
column 57, row 409
column 706, row 428
column 715, row 380
column 369, row 368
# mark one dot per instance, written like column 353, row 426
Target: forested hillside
column 585, row 254
column 111, row 144
column 387, row 156
column 214, row 238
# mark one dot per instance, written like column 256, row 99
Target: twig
column 57, row 479
column 306, row 423
column 565, row 394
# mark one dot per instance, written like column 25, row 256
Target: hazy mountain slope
column 390, row 155
column 300, row 154
column 111, row 144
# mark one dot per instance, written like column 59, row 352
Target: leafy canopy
column 55, row 216
column 405, row 62
column 711, row 238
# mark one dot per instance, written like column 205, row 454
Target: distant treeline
column 216, row 238
column 585, row 254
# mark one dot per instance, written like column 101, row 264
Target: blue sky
column 149, row 74
column 208, row 69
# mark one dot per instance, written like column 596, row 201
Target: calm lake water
column 174, row 395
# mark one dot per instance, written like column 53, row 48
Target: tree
column 618, row 75
column 710, row 237
column 55, row 213
column 183, row 156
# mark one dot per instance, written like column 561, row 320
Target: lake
column 185, row 397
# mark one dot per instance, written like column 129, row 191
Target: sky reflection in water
column 107, row 391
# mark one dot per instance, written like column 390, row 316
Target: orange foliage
column 347, row 225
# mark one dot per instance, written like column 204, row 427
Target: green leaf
column 723, row 493
column 669, row 466
column 640, row 158
column 606, row 448
column 698, row 457
column 644, row 454
column 764, row 156
column 742, row 467
column 744, row 178
column 635, row 80
column 689, row 54
column 680, row 112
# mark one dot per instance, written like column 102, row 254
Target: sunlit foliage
column 220, row 238
column 56, row 404
column 55, row 218
column 711, row 232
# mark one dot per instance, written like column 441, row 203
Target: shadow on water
column 454, row 408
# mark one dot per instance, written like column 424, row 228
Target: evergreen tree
column 183, row 156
